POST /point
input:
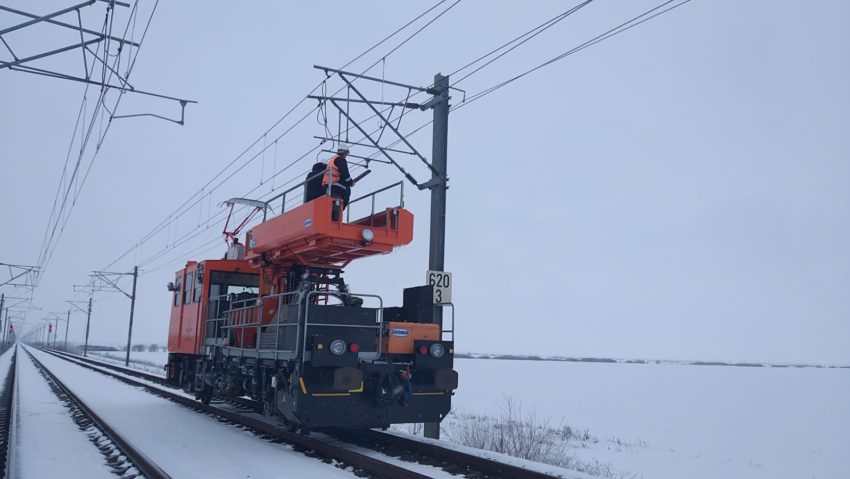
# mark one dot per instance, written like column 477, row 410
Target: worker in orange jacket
column 337, row 176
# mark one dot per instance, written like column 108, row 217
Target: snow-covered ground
column 45, row 438
column 149, row 361
column 673, row 420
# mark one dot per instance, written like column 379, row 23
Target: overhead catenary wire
column 516, row 42
column 623, row 27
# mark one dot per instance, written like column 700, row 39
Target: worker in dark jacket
column 337, row 177
column 313, row 182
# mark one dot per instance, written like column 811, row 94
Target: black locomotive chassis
column 312, row 399
column 324, row 389
column 382, row 400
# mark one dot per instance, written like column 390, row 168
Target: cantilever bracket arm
column 73, row 304
column 103, row 277
column 39, row 71
column 325, row 138
column 68, row 25
column 411, row 105
column 375, row 144
column 24, row 271
column 357, row 75
column 179, row 122
column 388, row 123
column 46, row 17
column 47, row 54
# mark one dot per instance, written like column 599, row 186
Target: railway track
column 360, row 462
column 410, row 450
column 6, row 414
column 119, row 453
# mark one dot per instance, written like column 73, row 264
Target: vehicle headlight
column 368, row 235
column 437, row 350
column 338, row 347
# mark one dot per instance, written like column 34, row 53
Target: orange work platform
column 308, row 235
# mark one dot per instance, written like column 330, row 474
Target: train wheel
column 206, row 396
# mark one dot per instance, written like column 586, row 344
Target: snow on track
column 46, row 439
column 183, row 442
column 425, row 469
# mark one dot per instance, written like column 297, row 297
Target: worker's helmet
column 343, row 147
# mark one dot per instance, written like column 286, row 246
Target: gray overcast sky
column 678, row 191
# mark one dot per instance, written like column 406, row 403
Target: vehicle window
column 187, row 290
column 199, row 284
column 178, row 282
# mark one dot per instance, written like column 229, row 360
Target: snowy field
column 673, row 421
column 149, row 361
column 667, row 420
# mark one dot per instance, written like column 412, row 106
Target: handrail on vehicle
column 232, row 315
column 301, row 185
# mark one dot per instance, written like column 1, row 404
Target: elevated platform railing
column 369, row 220
column 243, row 327
column 327, row 189
column 226, row 309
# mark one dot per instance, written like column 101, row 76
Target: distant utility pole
column 67, row 327
column 88, row 321
column 107, row 283
column 73, row 304
column 89, row 288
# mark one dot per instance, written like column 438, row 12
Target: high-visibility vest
column 332, row 172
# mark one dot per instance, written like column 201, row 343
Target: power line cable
column 643, row 17
column 520, row 40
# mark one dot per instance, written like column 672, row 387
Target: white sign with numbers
column 442, row 282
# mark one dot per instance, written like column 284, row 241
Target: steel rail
column 141, row 461
column 6, row 414
column 456, row 458
column 368, row 464
column 128, row 371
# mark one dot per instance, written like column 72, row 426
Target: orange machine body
column 400, row 336
column 308, row 235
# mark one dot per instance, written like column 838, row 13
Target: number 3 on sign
column 442, row 282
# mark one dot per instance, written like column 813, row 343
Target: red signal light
column 423, row 349
column 354, row 347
